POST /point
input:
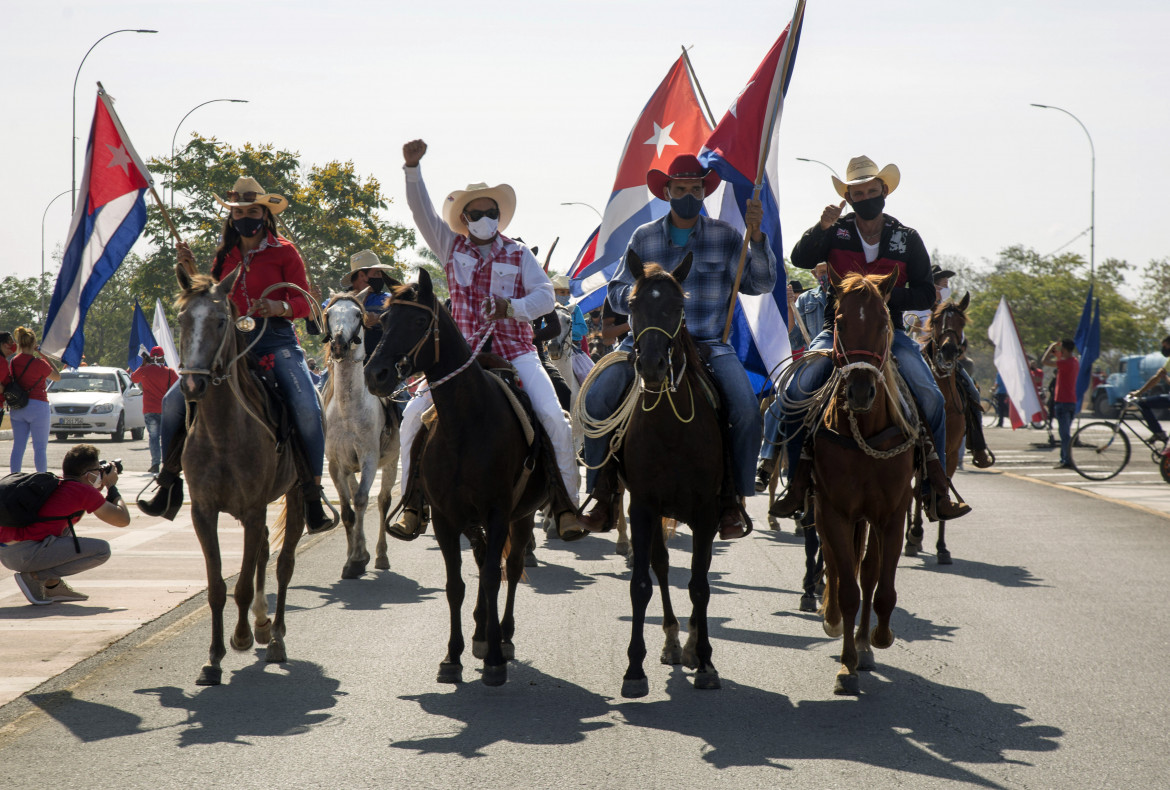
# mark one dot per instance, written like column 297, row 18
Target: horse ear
column 835, row 279
column 361, row 295
column 635, row 264
column 225, row 285
column 184, row 278
column 887, row 283
column 965, row 301
column 426, row 290
column 683, row 269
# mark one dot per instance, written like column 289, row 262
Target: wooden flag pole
column 698, row 87
column 786, row 62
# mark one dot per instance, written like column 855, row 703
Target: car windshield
column 85, row 382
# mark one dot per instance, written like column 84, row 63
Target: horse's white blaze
column 861, row 313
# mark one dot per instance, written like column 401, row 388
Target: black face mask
column 1166, row 351
column 687, row 206
column 248, row 226
column 870, row 208
column 375, row 285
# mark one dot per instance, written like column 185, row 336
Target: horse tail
column 669, row 527
column 504, row 557
column 279, row 527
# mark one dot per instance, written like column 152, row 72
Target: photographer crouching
column 41, row 552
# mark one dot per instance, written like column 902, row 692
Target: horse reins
column 411, row 356
column 666, row 390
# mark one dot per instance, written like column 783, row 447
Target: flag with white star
column 108, row 218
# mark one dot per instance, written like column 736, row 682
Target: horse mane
column 201, row 284
column 345, row 296
column 652, row 271
column 943, row 307
column 855, row 281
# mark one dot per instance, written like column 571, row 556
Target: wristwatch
column 284, row 307
column 511, row 311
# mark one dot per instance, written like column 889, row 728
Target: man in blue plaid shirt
column 716, row 247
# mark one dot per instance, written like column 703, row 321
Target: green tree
column 1155, row 297
column 20, row 302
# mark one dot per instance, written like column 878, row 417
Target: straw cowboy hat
column 247, row 192
column 366, row 259
column 683, row 166
column 502, row 194
column 861, row 169
column 559, row 281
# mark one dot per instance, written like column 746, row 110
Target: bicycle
column 1101, row 449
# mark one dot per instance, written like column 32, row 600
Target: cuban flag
column 141, row 339
column 670, row 124
column 742, row 151
column 1088, row 341
column 107, row 220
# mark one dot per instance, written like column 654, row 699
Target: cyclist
column 1148, row 404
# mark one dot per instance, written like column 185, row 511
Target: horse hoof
column 881, row 639
column 353, row 570
column 944, row 557
column 707, row 680
column 622, row 547
column 808, row 602
column 847, row 683
column 382, row 563
column 835, row 630
column 495, row 676
column 209, row 676
column 690, row 659
column 530, row 560
column 509, row 651
column 241, row 645
column 479, row 648
column 636, row 688
column 773, row 523
column 264, row 632
column 865, row 661
column 911, row 550
column 671, row 655
column 450, row 672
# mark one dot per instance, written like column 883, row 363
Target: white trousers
column 540, row 391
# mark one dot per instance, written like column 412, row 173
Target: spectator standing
column 33, row 373
column 1062, row 356
column 155, row 378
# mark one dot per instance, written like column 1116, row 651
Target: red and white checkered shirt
column 510, row 338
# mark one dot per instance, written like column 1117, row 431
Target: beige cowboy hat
column 861, row 169
column 560, row 281
column 247, row 191
column 366, row 259
column 503, row 194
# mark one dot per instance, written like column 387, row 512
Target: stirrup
column 325, row 523
column 569, row 526
column 409, row 525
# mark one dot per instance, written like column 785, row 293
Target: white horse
column 357, row 436
column 560, row 353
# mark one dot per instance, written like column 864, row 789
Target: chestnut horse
column 863, row 464
column 942, row 353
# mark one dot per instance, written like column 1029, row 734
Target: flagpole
column 785, row 64
column 698, row 87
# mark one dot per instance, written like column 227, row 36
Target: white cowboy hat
column 453, row 206
column 248, row 191
column 366, row 259
column 559, row 281
column 861, row 169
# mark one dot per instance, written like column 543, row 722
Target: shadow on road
column 375, row 590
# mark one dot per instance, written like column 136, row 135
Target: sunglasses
column 242, row 197
column 476, row 215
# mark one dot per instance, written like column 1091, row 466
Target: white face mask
column 484, row 228
column 944, row 294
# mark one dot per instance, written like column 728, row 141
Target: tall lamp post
column 819, row 162
column 41, row 285
column 176, row 135
column 1092, row 187
column 73, row 151
column 586, row 205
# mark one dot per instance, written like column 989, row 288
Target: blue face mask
column 686, row 207
column 562, row 298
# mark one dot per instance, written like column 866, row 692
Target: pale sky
column 542, row 95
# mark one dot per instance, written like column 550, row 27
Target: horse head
column 344, row 328
column 410, row 337
column 657, row 310
column 946, row 333
column 561, row 346
column 207, row 332
column 862, row 334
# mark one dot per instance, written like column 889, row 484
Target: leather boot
column 569, row 526
column 410, row 524
column 764, row 474
column 798, row 485
column 316, row 519
column 732, row 521
column 600, row 517
column 167, row 499
column 937, row 501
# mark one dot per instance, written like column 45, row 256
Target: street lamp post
column 819, row 162
column 73, row 150
column 1092, row 187
column 176, row 135
column 41, row 285
column 586, row 205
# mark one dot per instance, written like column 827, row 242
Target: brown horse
column 673, row 463
column 942, row 353
column 233, row 466
column 468, row 468
column 863, row 463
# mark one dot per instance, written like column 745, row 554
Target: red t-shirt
column 70, row 497
column 1066, row 380
column 32, row 373
column 155, row 380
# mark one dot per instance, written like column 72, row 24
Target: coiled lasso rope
column 619, row 421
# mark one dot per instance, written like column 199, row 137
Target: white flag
column 1012, row 365
column 162, row 335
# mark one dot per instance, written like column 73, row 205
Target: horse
column 673, row 463
column 358, row 437
column 862, row 467
column 560, row 353
column 942, row 351
column 233, row 466
column 475, row 467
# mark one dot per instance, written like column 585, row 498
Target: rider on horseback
column 496, row 286
column 869, row 242
column 250, row 239
column 716, row 248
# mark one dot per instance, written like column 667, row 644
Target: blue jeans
column 295, row 385
column 1148, row 404
column 739, row 400
column 1064, row 414
column 911, row 365
column 32, row 420
column 154, row 437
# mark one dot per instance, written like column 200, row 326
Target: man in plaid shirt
column 716, row 248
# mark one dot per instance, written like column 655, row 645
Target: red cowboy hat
column 683, row 166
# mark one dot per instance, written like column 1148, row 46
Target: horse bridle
column 841, row 356
column 407, row 364
column 673, row 387
column 946, row 331
column 357, row 338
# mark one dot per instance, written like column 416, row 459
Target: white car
column 95, row 400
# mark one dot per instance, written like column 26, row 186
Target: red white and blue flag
column 670, row 124
column 107, row 220
column 741, row 148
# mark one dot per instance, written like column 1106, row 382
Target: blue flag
column 141, row 339
column 1089, row 346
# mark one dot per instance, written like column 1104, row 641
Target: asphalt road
column 1033, row 661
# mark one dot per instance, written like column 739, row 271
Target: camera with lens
column 110, row 466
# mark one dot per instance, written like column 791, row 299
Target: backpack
column 15, row 395
column 22, row 495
